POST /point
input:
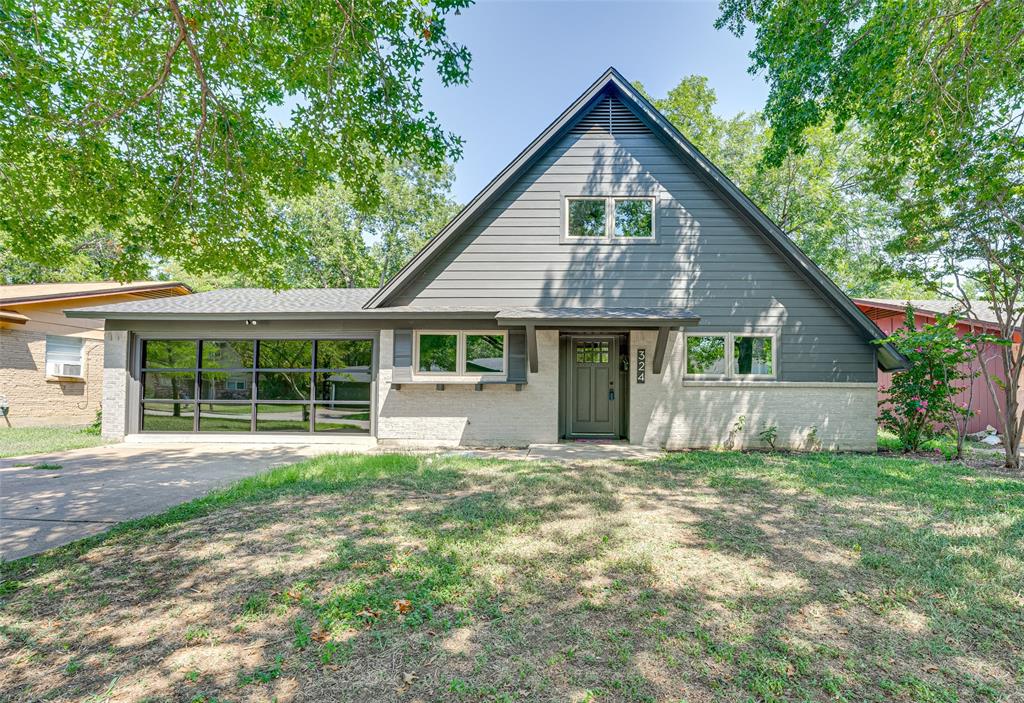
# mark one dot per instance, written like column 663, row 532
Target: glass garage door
column 263, row 385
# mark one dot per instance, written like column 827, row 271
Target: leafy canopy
column 937, row 87
column 172, row 127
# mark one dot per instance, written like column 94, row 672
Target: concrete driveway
column 101, row 486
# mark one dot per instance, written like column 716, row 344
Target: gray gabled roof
column 611, row 80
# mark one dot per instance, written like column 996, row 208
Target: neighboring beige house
column 51, row 366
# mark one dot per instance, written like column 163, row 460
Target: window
column 730, row 355
column 471, row 354
column 438, row 353
column 64, row 356
column 485, row 353
column 752, row 356
column 610, row 218
column 587, row 217
column 705, row 355
column 634, row 217
column 257, row 385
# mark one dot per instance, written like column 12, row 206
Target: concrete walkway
column 101, row 486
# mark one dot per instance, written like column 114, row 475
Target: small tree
column 921, row 400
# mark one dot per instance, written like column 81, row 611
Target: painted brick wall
column 461, row 415
column 33, row 399
column 115, row 384
column 669, row 412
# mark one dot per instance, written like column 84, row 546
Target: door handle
column 611, row 394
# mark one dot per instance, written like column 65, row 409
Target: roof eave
column 55, row 297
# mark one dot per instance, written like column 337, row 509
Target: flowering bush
column 920, row 402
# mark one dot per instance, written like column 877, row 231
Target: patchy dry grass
column 702, row 577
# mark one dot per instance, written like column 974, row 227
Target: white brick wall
column 670, row 412
column 461, row 415
column 115, row 384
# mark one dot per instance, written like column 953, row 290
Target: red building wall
column 986, row 412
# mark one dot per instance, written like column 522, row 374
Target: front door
column 594, row 393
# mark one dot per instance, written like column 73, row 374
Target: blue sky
column 532, row 58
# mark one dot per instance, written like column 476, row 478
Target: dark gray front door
column 594, row 395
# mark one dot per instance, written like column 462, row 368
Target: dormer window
column 609, row 219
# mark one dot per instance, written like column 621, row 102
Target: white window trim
column 730, row 344
column 460, row 373
column 609, row 219
column 654, row 215
column 50, row 368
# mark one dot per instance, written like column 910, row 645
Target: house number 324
column 641, row 365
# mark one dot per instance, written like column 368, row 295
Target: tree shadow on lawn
column 701, row 577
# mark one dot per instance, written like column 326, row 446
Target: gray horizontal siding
column 706, row 257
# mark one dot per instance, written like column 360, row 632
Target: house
column 609, row 283
column 890, row 314
column 51, row 366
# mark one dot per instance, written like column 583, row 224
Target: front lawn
column 20, row 441
column 704, row 576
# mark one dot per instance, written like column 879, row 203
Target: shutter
column 402, row 357
column 517, row 356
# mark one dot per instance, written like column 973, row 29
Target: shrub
column 920, row 403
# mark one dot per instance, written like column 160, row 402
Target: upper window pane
column 344, row 354
column 752, row 355
column 281, row 385
column 169, row 354
column 587, row 217
column 634, row 218
column 286, row 353
column 705, row 355
column 225, row 385
column 227, row 355
column 437, row 353
column 485, row 353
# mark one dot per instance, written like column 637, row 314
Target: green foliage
column 935, row 86
column 768, row 435
column 920, row 402
column 174, row 127
column 818, row 197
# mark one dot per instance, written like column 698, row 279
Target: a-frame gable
column 643, row 148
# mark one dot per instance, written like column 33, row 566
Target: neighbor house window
column 64, row 356
column 730, row 355
column 270, row 385
column 461, row 353
column 609, row 218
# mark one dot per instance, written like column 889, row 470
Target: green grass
column 21, row 441
column 48, row 467
column 702, row 576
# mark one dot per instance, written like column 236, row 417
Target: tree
column 337, row 245
column 818, row 197
column 921, row 401
column 936, row 86
column 172, row 127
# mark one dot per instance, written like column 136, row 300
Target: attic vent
column 610, row 116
